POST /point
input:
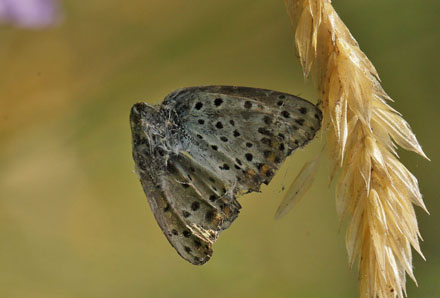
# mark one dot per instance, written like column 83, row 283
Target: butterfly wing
column 190, row 204
column 190, row 212
column 243, row 134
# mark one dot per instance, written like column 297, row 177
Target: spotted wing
column 242, row 134
column 190, row 204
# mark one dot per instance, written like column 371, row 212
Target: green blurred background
column 74, row 221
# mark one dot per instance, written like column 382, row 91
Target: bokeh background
column 74, row 221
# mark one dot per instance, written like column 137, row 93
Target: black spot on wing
column 198, row 106
column 195, row 206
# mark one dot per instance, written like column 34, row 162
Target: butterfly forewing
column 205, row 145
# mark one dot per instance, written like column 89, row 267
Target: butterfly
column 204, row 146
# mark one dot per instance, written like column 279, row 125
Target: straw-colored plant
column 374, row 190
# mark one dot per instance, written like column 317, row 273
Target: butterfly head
column 144, row 120
column 142, row 112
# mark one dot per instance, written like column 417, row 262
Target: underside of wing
column 243, row 134
column 191, row 205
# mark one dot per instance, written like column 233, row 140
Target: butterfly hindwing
column 199, row 196
column 192, row 246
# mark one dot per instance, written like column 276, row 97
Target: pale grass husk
column 375, row 191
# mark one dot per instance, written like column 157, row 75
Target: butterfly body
column 206, row 145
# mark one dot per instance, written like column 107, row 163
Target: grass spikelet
column 375, row 191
